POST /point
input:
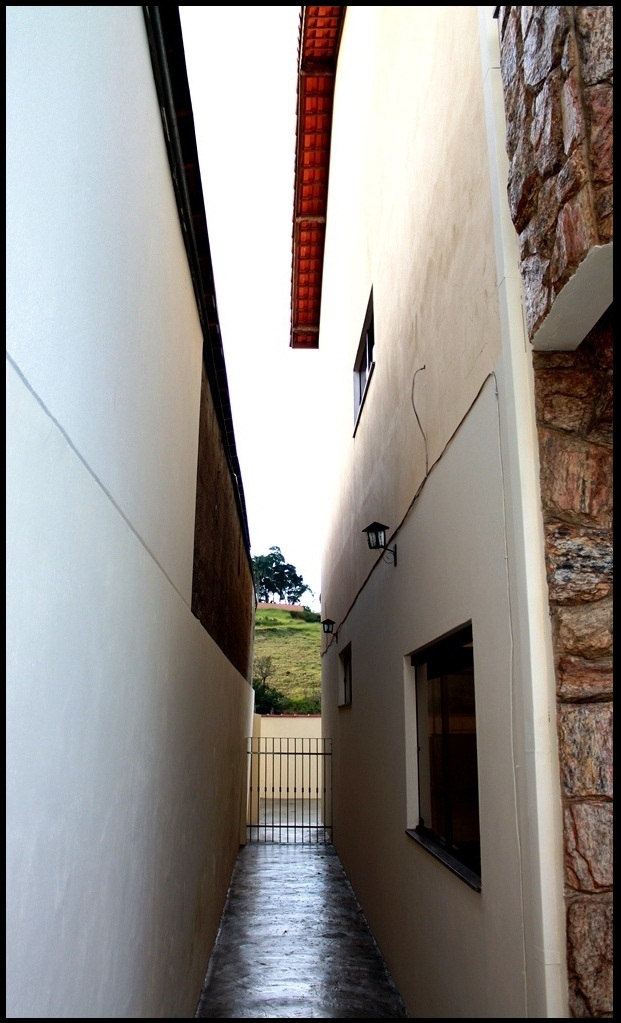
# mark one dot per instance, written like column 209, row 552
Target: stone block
column 536, row 293
column 594, row 34
column 589, row 960
column 571, row 178
column 585, row 742
column 580, row 679
column 510, row 48
column 546, row 130
column 583, row 630
column 543, row 42
column 576, row 234
column 598, row 103
column 579, row 563
column 566, row 399
column 576, row 479
column 522, row 187
column 601, row 426
column 588, row 846
column 572, row 117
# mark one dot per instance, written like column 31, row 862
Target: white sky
column 242, row 67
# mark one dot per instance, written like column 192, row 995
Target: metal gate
column 289, row 790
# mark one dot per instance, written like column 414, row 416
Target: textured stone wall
column 556, row 65
column 573, row 392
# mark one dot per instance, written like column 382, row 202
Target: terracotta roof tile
column 320, row 33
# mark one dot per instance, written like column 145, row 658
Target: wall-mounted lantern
column 376, row 538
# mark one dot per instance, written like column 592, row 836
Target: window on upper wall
column 363, row 366
column 345, row 679
column 448, row 781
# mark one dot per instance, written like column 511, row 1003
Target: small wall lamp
column 376, row 538
column 328, row 625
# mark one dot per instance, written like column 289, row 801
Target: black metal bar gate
column 289, row 790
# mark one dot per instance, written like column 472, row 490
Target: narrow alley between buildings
column 294, row 943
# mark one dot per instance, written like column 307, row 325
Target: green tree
column 268, row 700
column 263, row 669
column 273, row 576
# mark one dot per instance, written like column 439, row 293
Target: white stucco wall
column 101, row 317
column 409, row 214
column 287, row 726
column 445, row 452
column 125, row 722
column 423, row 917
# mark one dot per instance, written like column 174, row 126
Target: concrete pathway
column 294, row 944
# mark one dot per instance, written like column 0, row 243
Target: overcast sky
column 242, row 64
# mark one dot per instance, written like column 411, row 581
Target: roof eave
column 320, row 35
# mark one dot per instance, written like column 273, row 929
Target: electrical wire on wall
column 420, row 368
column 424, row 480
column 427, row 472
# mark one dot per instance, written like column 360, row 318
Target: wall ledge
column 579, row 305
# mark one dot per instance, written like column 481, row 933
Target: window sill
column 471, row 879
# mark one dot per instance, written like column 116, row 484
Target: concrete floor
column 294, row 943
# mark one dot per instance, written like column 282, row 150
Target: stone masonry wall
column 573, row 393
column 556, row 65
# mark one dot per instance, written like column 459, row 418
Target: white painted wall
column 409, row 214
column 101, row 317
column 447, row 456
column 287, row 726
column 425, row 919
column 125, row 722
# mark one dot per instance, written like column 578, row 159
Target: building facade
column 557, row 71
column 452, row 261
column 130, row 602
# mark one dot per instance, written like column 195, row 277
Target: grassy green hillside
column 287, row 657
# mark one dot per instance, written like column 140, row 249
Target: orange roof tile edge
column 319, row 38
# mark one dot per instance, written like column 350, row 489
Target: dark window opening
column 365, row 360
column 448, row 786
column 345, row 680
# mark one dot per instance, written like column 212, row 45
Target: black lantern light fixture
column 376, row 538
column 329, row 627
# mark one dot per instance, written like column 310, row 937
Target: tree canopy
column 274, row 577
